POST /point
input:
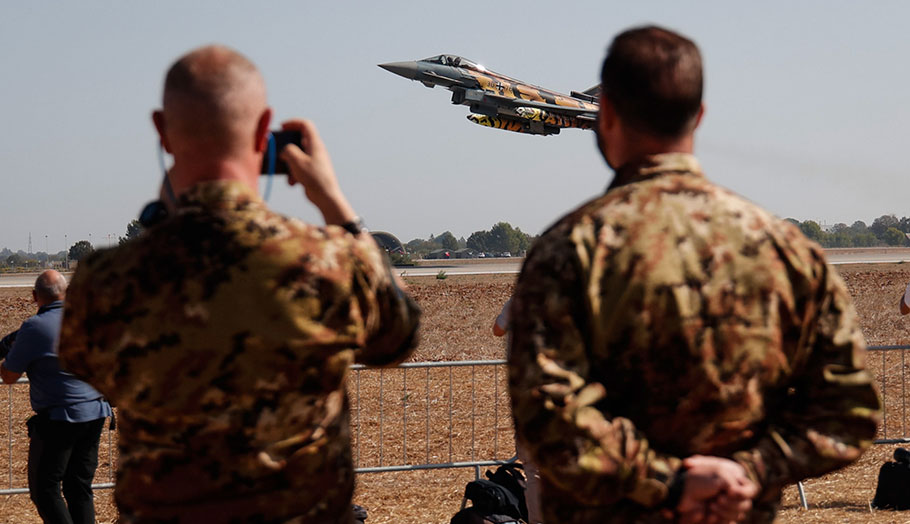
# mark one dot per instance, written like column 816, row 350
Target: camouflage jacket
column 670, row 317
column 223, row 335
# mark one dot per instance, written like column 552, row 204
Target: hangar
column 389, row 242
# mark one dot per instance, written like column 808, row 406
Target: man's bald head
column 50, row 286
column 213, row 99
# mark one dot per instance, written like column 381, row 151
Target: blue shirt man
column 64, row 433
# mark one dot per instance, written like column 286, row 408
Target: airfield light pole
column 47, row 253
column 66, row 253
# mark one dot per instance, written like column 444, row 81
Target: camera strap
column 273, row 158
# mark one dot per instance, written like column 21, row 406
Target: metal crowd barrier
column 433, row 400
column 422, row 403
column 888, row 362
column 11, row 490
column 886, row 366
column 487, row 408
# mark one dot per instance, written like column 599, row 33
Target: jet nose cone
column 405, row 69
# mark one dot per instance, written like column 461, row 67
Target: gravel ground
column 458, row 314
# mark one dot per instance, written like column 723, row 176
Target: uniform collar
column 219, row 194
column 57, row 304
column 655, row 165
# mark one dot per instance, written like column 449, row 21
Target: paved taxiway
column 835, row 256
column 513, row 266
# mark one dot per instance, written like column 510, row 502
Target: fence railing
column 437, row 415
column 890, row 358
column 424, row 415
column 894, row 415
column 441, row 415
column 17, row 433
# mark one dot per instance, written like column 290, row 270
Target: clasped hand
column 716, row 491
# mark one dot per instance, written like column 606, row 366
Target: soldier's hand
column 716, row 491
column 311, row 167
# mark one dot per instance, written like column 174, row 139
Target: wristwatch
column 355, row 227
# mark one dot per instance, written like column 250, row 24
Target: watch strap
column 354, row 227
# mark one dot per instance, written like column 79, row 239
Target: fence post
column 381, row 415
column 802, row 495
column 404, row 415
column 9, row 432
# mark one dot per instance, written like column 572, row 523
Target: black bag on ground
column 893, row 490
column 474, row 515
column 499, row 500
column 360, row 513
column 512, row 477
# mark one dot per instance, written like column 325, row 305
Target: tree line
column 499, row 239
column 886, row 230
column 20, row 260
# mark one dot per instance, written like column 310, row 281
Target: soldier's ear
column 701, row 113
column 606, row 118
column 261, row 140
column 161, row 127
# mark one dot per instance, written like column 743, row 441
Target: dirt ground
column 412, row 423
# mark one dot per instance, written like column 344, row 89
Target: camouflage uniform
column 224, row 335
column 671, row 317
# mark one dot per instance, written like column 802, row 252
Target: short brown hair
column 653, row 78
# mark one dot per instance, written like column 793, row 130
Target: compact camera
column 281, row 139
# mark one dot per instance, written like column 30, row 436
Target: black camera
column 281, row 139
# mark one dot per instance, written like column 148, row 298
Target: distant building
column 388, row 242
column 438, row 254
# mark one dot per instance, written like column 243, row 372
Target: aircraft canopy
column 454, row 61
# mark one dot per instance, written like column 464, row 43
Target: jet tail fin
column 590, row 95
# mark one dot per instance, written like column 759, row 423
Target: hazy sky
column 806, row 106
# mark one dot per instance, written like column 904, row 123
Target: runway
column 513, row 266
column 22, row 279
column 835, row 257
column 868, row 255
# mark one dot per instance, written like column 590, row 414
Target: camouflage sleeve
column 74, row 344
column 833, row 409
column 85, row 328
column 389, row 314
column 594, row 457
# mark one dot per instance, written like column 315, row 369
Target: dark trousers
column 63, row 453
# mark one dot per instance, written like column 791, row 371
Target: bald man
column 224, row 333
column 64, row 432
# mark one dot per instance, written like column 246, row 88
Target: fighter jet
column 499, row 101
